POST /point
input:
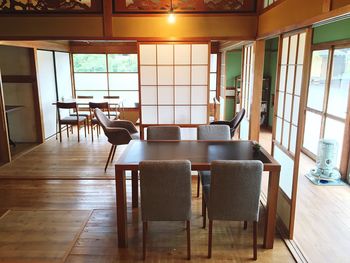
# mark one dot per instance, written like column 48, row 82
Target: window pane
column 213, row 62
column 123, row 81
column 335, row 130
column 89, row 63
column 317, row 79
column 122, row 63
column 340, row 83
column 212, row 81
column 312, row 131
column 128, row 98
column 90, row 81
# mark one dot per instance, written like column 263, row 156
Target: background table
column 200, row 153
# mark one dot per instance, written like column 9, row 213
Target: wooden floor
column 322, row 223
column 64, row 176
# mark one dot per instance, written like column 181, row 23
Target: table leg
column 271, row 214
column 121, row 207
column 135, row 188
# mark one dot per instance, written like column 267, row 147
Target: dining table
column 200, row 154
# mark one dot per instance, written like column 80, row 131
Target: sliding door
column 287, row 129
column 247, row 89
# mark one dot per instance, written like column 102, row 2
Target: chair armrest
column 128, row 125
column 221, row 123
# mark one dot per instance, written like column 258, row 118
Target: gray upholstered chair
column 233, row 194
column 211, row 133
column 165, row 194
column 164, row 133
column 118, row 132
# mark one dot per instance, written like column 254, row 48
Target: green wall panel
column 339, row 30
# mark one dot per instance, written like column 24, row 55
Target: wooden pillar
column 259, row 54
column 5, row 155
column 107, row 18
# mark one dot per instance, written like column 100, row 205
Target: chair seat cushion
column 72, row 119
column 205, row 177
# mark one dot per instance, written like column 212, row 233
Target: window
column 101, row 75
column 327, row 101
column 268, row 2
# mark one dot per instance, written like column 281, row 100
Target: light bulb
column 171, row 18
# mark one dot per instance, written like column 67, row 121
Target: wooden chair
column 117, row 108
column 233, row 195
column 164, row 133
column 117, row 131
column 211, row 133
column 103, row 106
column 165, row 195
column 77, row 119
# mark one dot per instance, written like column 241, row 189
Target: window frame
column 344, row 156
column 107, row 72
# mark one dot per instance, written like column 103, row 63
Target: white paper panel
column 199, row 95
column 283, row 73
column 165, row 54
column 148, row 55
column 301, row 48
column 285, row 138
column 87, row 81
column 284, row 50
column 165, row 75
column 212, row 83
column 298, row 79
column 165, row 95
column 182, row 114
column 123, row 81
column 278, row 129
column 189, row 133
column 63, row 74
column 293, row 138
column 199, row 114
column 166, row 114
column 149, row 114
column 213, row 62
column 290, row 79
column 148, row 75
column 295, row 117
column 182, row 95
column 287, row 168
column 293, row 49
column 200, row 54
column 288, row 107
column 149, row 95
column 244, row 129
column 199, row 75
column 182, row 75
column 182, row 54
column 280, row 104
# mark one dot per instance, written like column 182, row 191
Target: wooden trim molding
column 49, row 45
column 5, row 155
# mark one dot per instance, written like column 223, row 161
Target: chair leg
column 78, row 130
column 255, row 247
column 109, row 157
column 85, row 128
column 144, row 234
column 210, row 238
column 188, row 228
column 92, row 132
column 67, row 127
column 198, row 184
column 204, row 211
column 245, row 225
column 60, row 131
column 113, row 153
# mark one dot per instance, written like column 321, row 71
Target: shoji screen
column 290, row 90
column 174, row 83
column 247, row 89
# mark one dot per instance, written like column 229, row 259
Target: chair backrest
column 165, row 190
column 102, row 119
column 213, row 132
column 103, row 106
column 66, row 105
column 111, row 97
column 235, row 190
column 236, row 121
column 85, row 97
column 164, row 133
